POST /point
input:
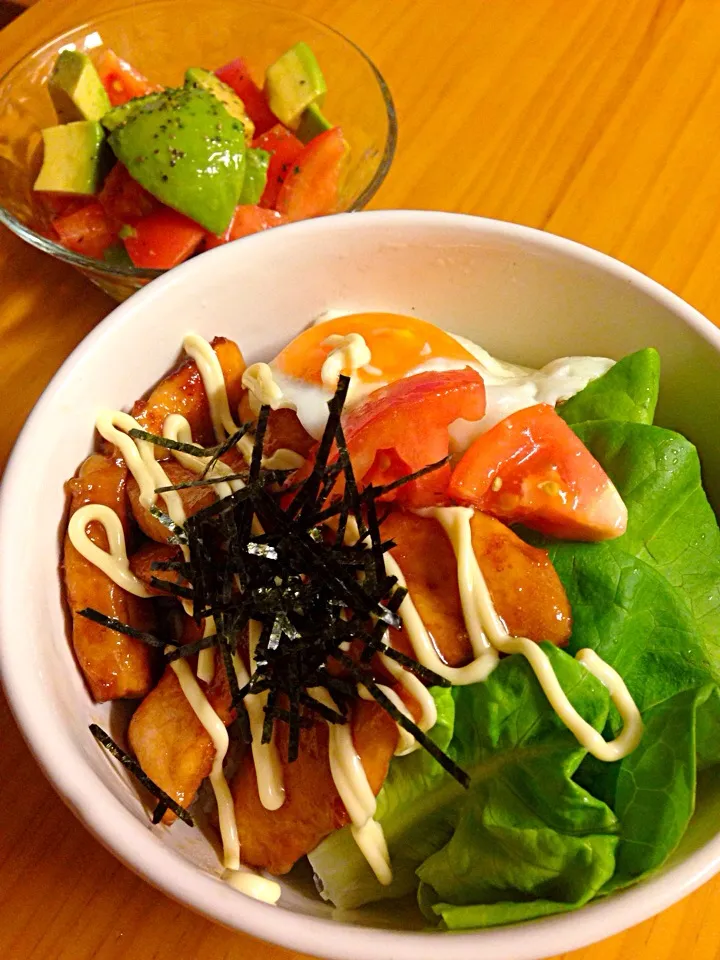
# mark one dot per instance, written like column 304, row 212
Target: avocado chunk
column 293, row 83
column 76, row 89
column 185, row 149
column 116, row 116
column 256, row 168
column 75, row 158
column 225, row 94
column 312, row 122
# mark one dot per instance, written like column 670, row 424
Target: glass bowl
column 162, row 38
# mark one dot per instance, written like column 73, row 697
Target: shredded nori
column 166, row 802
column 112, row 623
column 312, row 593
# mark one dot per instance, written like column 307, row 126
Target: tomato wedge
column 403, row 427
column 284, row 149
column 236, row 74
column 87, row 230
column 247, row 219
column 123, row 199
column 162, row 239
column 312, row 188
column 121, row 81
column 531, row 468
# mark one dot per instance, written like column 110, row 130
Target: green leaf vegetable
column 544, row 828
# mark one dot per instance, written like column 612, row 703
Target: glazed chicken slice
column 193, row 499
column 141, row 564
column 284, row 430
column 183, row 392
column 525, row 589
column 114, row 664
column 168, row 740
column 275, row 839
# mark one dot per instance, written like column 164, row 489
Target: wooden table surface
column 595, row 119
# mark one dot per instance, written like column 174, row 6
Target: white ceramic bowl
column 524, row 295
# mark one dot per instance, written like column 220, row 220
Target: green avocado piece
column 116, row 116
column 293, row 83
column 312, row 122
column 117, row 256
column 75, row 158
column 197, row 76
column 185, row 149
column 75, row 88
column 256, row 168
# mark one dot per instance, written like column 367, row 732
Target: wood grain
column 597, row 120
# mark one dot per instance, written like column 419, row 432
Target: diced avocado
column 116, row 116
column 117, row 256
column 312, row 122
column 75, row 158
column 185, row 149
column 76, row 89
column 256, row 168
column 225, row 94
column 293, row 83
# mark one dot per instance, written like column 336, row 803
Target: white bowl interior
column 523, row 295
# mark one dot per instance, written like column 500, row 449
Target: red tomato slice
column 163, row 239
column 312, row 187
column 121, row 81
column 86, row 230
column 123, row 199
column 531, row 468
column 403, row 427
column 236, row 74
column 284, row 149
column 247, row 219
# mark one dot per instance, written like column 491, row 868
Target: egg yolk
column 397, row 345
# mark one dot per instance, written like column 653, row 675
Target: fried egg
column 376, row 349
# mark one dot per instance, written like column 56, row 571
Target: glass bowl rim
column 83, row 262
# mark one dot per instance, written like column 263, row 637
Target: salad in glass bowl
column 134, row 142
column 439, row 623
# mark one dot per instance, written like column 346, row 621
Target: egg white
column 508, row 388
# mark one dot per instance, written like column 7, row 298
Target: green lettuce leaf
column 649, row 604
column 526, row 834
column 671, row 525
column 631, row 616
column 655, row 785
column 414, row 808
column 628, row 391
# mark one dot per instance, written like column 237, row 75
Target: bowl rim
column 142, row 850
column 79, row 260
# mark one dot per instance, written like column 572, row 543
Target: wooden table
column 598, row 120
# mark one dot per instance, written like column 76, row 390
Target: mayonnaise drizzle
column 355, row 792
column 349, row 353
column 456, row 523
column 266, row 758
column 219, row 736
column 114, row 561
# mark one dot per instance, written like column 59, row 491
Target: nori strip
column 373, row 492
column 188, row 649
column 119, row 627
column 202, row 482
column 136, row 770
column 175, row 529
column 225, row 446
column 192, row 448
column 169, row 586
